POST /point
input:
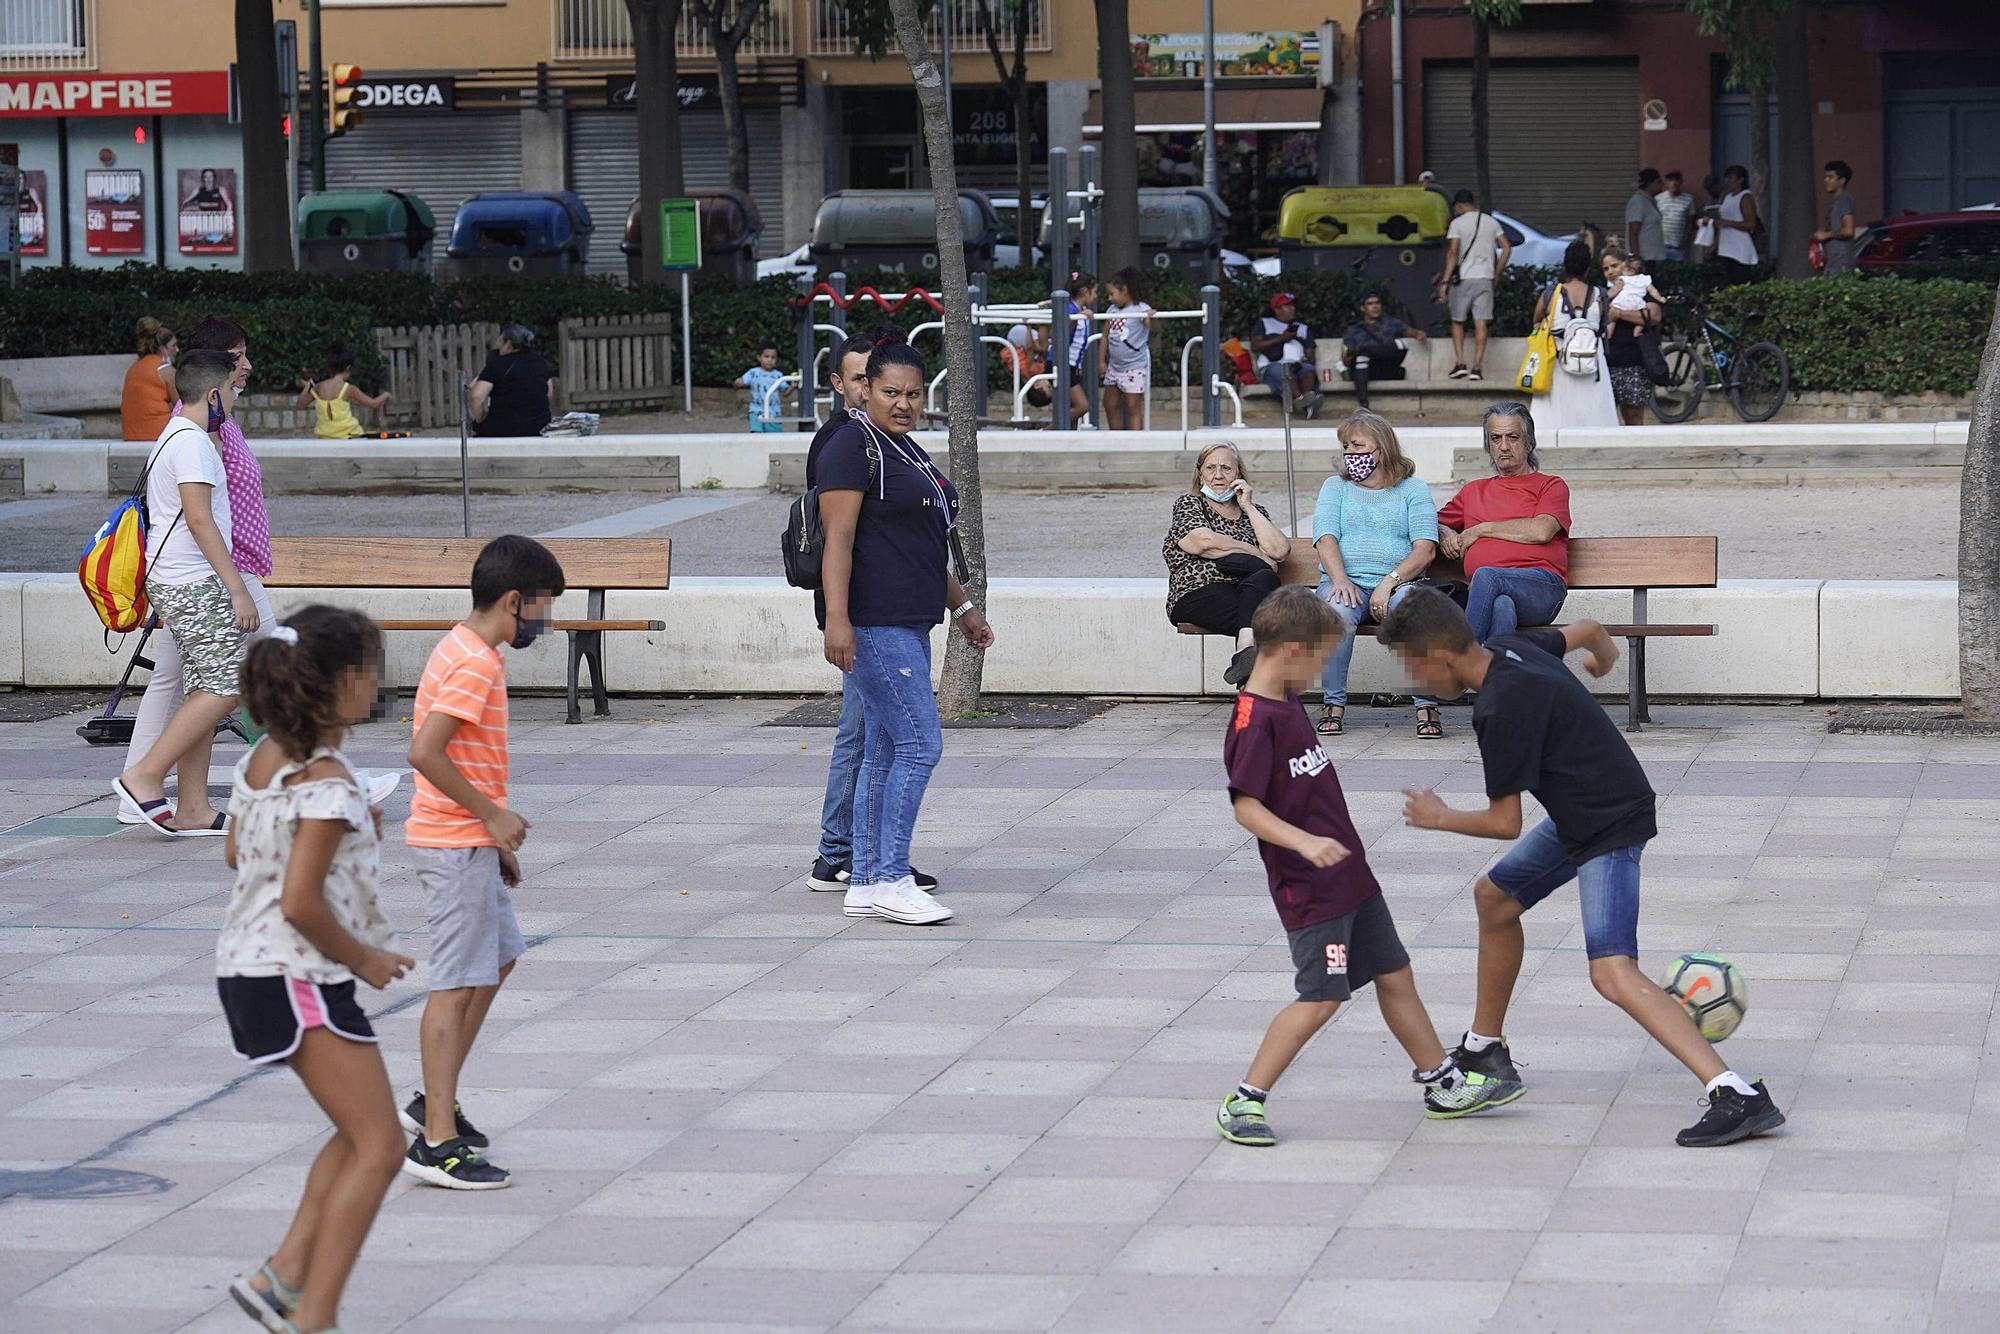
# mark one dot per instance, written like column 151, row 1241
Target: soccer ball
column 1711, row 990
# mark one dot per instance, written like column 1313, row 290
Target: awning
column 1179, row 110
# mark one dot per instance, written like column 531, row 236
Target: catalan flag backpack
column 113, row 568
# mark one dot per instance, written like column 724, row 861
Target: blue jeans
column 1499, row 602
column 843, row 768
column 892, row 672
column 1607, row 887
column 1334, row 679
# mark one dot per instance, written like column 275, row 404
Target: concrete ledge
column 1893, row 639
column 432, row 463
column 90, row 383
column 1787, row 639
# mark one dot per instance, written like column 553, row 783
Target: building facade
column 1582, row 95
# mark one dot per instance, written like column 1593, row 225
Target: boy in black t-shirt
column 1284, row 791
column 1540, row 731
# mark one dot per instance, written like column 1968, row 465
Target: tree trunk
column 730, row 86
column 264, row 211
column 964, row 665
column 1797, row 194
column 1760, row 144
column 1118, row 146
column 1482, row 64
column 1326, row 168
column 1979, row 543
column 655, row 27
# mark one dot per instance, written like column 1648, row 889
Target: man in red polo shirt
column 1510, row 530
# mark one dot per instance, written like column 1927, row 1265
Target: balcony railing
column 601, row 30
column 832, row 35
column 47, row 35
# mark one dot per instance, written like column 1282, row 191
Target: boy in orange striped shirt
column 464, row 839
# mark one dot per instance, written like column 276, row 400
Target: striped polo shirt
column 464, row 679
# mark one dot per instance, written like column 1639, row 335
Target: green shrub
column 1851, row 334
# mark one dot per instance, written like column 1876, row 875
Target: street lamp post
column 1208, row 169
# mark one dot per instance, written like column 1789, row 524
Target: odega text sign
column 192, row 93
column 393, row 94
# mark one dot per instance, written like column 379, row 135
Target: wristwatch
column 961, row 609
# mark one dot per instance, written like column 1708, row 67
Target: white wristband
column 961, row 609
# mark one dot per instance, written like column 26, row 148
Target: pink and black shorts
column 268, row 1016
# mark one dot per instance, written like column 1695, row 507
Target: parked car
column 799, row 262
column 1532, row 249
column 1928, row 238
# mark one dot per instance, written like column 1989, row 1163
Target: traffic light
column 344, row 115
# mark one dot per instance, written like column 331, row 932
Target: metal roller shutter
column 443, row 158
column 1563, row 140
column 604, row 169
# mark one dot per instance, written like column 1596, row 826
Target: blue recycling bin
column 518, row 234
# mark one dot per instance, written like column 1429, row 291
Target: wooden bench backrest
column 1594, row 562
column 446, row 562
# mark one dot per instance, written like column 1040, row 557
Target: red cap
column 1283, row 299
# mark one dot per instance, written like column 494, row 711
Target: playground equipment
column 1394, row 233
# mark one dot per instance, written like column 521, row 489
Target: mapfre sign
column 189, row 93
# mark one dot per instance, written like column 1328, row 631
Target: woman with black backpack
column 887, row 514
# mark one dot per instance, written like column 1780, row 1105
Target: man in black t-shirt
column 1541, row 732
column 833, row 865
column 1283, row 789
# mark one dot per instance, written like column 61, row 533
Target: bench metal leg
column 593, row 653
column 575, row 714
column 587, row 646
column 1636, row 713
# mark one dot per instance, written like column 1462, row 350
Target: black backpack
column 804, row 543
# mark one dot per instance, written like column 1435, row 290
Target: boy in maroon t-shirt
column 1284, row 791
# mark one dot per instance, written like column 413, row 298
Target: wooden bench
column 595, row 564
column 1638, row 563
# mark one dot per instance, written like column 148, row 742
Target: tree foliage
column 1745, row 27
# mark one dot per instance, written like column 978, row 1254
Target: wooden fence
column 601, row 365
column 424, row 363
column 620, row 362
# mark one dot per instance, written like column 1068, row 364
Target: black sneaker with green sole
column 454, row 1165
column 1496, row 1062
column 412, row 1117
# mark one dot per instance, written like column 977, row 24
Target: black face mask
column 526, row 630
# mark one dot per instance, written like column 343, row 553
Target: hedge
column 1852, row 333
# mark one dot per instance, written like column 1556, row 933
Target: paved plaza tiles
column 728, row 1106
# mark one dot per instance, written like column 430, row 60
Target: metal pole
column 808, row 339
column 465, row 449
column 1291, row 477
column 1087, row 157
column 1059, row 265
column 978, row 285
column 837, row 317
column 1059, row 328
column 1208, row 169
column 318, row 118
column 1395, row 83
column 1211, row 355
column 687, row 349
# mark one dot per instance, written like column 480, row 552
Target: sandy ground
column 1824, row 530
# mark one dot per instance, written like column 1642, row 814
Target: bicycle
column 1757, row 377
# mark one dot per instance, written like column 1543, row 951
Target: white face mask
column 1222, row 497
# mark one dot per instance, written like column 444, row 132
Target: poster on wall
column 114, row 213
column 1177, row 55
column 207, row 213
column 34, row 213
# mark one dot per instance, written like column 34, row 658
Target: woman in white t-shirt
column 1736, row 221
column 192, row 583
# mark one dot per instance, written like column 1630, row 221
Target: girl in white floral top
column 303, row 924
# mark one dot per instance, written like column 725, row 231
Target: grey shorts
column 203, row 623
column 473, row 931
column 1471, row 298
column 1336, row 958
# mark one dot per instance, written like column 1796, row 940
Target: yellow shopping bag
column 1538, row 367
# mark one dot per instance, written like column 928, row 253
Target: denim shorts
column 1607, row 887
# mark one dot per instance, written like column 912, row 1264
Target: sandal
column 1431, row 728
column 1332, row 720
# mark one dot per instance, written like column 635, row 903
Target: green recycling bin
column 346, row 231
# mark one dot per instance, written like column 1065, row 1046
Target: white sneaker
column 901, row 901
column 860, row 901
